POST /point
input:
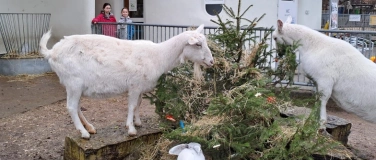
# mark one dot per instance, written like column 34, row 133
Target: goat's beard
column 197, row 72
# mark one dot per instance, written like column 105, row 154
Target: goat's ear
column 288, row 20
column 192, row 40
column 280, row 26
column 177, row 149
column 200, row 28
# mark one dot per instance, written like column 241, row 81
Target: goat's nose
column 211, row 61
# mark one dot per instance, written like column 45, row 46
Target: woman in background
column 106, row 16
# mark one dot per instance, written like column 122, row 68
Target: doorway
column 136, row 10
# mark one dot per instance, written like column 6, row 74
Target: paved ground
column 34, row 120
column 23, row 93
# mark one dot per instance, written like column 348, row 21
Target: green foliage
column 287, row 64
column 237, row 106
column 235, row 37
column 233, row 34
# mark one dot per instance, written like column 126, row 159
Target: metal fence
column 156, row 32
column 21, row 32
column 159, row 33
column 344, row 22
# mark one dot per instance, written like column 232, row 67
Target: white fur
column 191, row 151
column 102, row 66
column 340, row 70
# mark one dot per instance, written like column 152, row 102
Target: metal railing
column 153, row 32
column 344, row 22
column 361, row 40
column 159, row 33
column 21, row 32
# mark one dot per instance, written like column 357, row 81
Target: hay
column 197, row 74
column 204, row 126
column 22, row 55
column 214, row 47
column 158, row 151
column 248, row 58
column 26, row 77
column 193, row 94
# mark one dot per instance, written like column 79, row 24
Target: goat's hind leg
column 137, row 120
column 73, row 98
column 89, row 127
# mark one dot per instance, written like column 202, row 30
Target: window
column 213, row 9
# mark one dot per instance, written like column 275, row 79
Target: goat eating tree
column 339, row 69
column 103, row 66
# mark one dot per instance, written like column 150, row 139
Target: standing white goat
column 191, row 151
column 339, row 69
column 102, row 66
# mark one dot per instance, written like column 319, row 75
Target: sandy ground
column 34, row 120
column 31, row 130
column 362, row 138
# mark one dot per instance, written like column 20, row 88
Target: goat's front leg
column 323, row 115
column 73, row 98
column 325, row 88
column 132, row 104
column 137, row 120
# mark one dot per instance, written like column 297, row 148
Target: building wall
column 68, row 17
column 309, row 13
column 183, row 12
column 193, row 13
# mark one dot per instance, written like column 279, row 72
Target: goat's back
column 100, row 66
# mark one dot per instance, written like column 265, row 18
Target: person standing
column 126, row 31
column 106, row 16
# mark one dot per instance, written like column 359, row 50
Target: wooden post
column 109, row 143
column 339, row 128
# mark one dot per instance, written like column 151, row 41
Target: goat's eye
column 197, row 44
column 275, row 38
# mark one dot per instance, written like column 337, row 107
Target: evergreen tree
column 235, row 112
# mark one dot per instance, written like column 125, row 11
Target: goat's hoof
column 85, row 135
column 132, row 132
column 138, row 124
column 92, row 131
column 90, row 128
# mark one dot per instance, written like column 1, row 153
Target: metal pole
column 333, row 12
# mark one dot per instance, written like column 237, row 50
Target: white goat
column 339, row 69
column 102, row 66
column 191, row 151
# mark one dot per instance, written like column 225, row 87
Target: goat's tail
column 43, row 45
